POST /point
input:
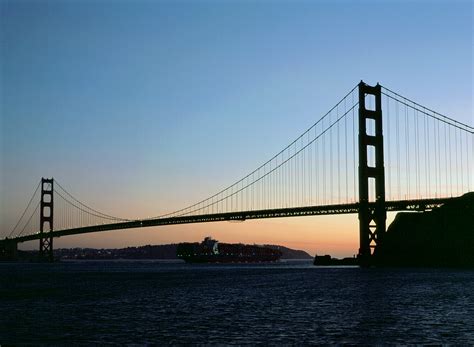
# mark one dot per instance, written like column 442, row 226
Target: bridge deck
column 391, row 206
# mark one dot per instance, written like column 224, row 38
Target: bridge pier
column 46, row 217
column 372, row 212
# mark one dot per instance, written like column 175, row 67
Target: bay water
column 290, row 302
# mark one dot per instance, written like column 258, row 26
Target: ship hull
column 210, row 251
column 211, row 259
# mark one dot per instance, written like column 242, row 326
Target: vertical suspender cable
column 461, row 154
column 354, row 148
column 346, row 158
column 407, row 159
column 388, row 165
column 456, row 156
column 398, row 150
column 338, row 159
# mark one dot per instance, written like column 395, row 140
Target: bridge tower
column 46, row 216
column 372, row 213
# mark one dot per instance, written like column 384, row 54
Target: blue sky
column 139, row 107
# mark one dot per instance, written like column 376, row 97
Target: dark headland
column 443, row 237
column 162, row 252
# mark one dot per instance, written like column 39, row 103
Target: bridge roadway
column 391, row 206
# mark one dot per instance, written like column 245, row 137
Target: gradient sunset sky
column 142, row 107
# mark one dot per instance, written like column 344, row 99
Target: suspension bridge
column 373, row 152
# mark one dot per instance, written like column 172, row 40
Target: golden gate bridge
column 373, row 152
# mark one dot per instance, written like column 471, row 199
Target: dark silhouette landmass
column 289, row 253
column 327, row 260
column 442, row 237
column 165, row 252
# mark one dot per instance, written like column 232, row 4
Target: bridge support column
column 46, row 217
column 372, row 213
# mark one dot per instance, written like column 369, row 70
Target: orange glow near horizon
column 334, row 235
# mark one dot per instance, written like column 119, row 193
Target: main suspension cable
column 447, row 119
column 281, row 164
column 261, row 166
column 26, row 209
column 87, row 207
column 423, row 110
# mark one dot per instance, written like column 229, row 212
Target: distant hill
column 150, row 252
column 441, row 237
column 288, row 253
column 142, row 252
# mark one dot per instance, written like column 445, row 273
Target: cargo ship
column 213, row 251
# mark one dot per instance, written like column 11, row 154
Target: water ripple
column 288, row 303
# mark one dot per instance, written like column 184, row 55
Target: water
column 293, row 302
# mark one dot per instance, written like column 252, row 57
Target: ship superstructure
column 213, row 251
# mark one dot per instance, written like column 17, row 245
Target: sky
column 142, row 107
